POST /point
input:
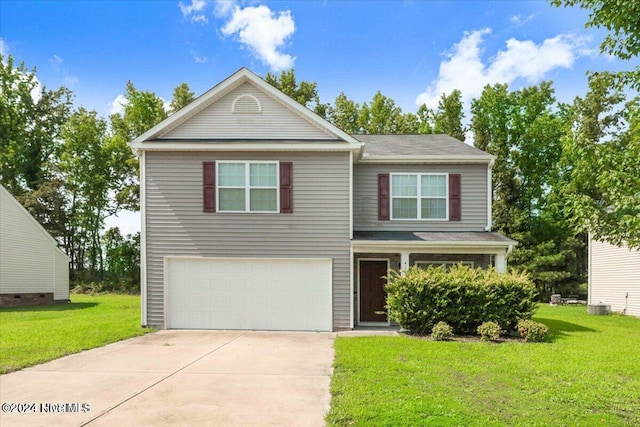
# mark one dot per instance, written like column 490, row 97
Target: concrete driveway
column 185, row 378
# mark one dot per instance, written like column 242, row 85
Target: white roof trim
column 235, row 80
column 483, row 159
column 244, row 146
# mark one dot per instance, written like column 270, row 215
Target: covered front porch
column 376, row 253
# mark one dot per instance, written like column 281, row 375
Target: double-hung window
column 419, row 196
column 247, row 186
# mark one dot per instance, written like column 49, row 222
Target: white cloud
column 224, row 7
column 521, row 59
column 71, row 80
column 55, row 62
column 194, row 11
column 264, row 32
column 165, row 104
column 197, row 58
column 4, row 47
column 519, row 21
column 118, row 104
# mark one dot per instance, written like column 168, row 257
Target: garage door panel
column 232, row 293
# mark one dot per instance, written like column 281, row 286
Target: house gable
column 248, row 113
column 242, row 113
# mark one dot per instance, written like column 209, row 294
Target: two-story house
column 259, row 214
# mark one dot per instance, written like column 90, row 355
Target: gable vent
column 246, row 104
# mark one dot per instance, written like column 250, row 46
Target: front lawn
column 589, row 374
column 32, row 335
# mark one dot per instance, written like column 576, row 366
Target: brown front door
column 372, row 294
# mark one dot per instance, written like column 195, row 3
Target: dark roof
column 433, row 236
column 416, row 145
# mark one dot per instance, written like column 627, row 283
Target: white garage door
column 248, row 293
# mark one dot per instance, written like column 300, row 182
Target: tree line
column 561, row 170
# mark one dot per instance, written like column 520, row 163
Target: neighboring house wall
column 317, row 228
column 30, row 260
column 274, row 122
column 473, row 198
column 614, row 277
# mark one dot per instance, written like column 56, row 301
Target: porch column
column 404, row 260
column 501, row 263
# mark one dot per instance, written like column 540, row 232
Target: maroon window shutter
column 208, row 186
column 455, row 213
column 286, row 188
column 383, row 197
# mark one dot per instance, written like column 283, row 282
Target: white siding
column 274, row 122
column 614, row 277
column 473, row 187
column 61, row 275
column 317, row 228
column 28, row 254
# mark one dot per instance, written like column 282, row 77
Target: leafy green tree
column 344, row 114
column 380, row 116
column 123, row 259
column 182, row 96
column 142, row 111
column 305, row 92
column 426, row 120
column 619, row 17
column 87, row 167
column 523, row 129
column 602, row 160
column 448, row 118
column 30, row 121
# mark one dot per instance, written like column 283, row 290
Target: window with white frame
column 447, row 264
column 247, row 186
column 419, row 196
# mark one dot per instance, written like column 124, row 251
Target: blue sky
column 412, row 51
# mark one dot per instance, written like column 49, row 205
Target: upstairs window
column 247, row 186
column 419, row 196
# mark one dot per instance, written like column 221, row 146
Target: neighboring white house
column 614, row 277
column 33, row 269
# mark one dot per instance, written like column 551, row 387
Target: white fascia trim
column 352, row 294
column 351, row 195
column 444, row 159
column 143, row 241
column 252, row 146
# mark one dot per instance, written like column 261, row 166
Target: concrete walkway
column 179, row 378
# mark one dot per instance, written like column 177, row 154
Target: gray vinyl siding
column 614, row 277
column 473, row 197
column 317, row 228
column 274, row 122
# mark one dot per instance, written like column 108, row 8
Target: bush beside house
column 462, row 297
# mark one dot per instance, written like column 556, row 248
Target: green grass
column 587, row 375
column 32, row 335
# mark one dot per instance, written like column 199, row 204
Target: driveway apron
column 179, row 378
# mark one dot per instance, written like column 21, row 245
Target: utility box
column 598, row 309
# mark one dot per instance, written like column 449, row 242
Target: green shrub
column 441, row 331
column 462, row 296
column 532, row 331
column 489, row 331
